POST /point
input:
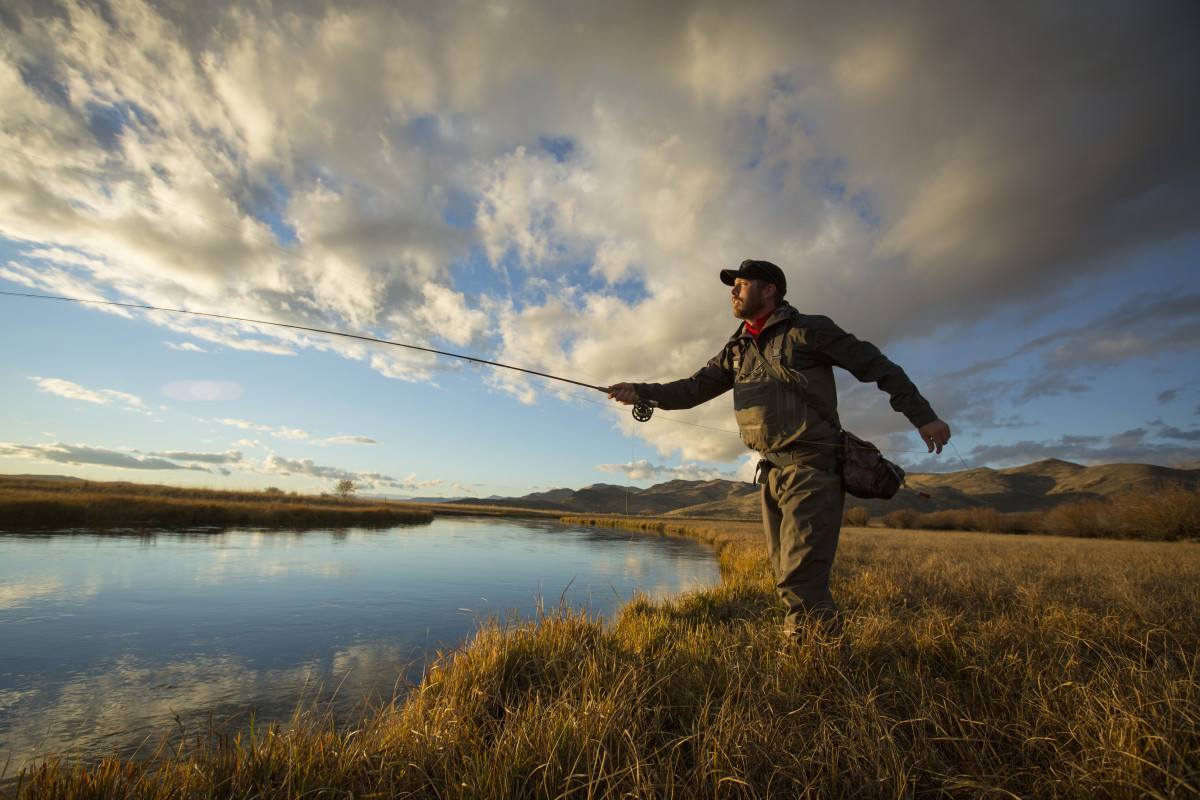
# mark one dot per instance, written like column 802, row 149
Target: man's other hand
column 935, row 434
column 623, row 393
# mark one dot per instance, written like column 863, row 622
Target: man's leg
column 802, row 518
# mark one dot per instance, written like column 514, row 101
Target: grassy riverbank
column 27, row 503
column 975, row 665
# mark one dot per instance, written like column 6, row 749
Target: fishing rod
column 642, row 411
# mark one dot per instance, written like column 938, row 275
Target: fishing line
column 360, row 337
column 642, row 411
column 960, row 458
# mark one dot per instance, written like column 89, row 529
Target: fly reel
column 643, row 410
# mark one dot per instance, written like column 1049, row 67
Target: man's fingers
column 623, row 393
column 936, row 434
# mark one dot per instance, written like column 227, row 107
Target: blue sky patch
column 106, row 124
column 269, row 203
column 460, row 208
column 41, row 78
column 108, row 121
column 561, row 147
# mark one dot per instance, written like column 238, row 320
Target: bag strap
column 792, row 382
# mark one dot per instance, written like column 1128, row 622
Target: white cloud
column 558, row 188
column 85, row 455
column 305, row 466
column 186, row 347
column 228, row 458
column 648, row 471
column 276, row 465
column 446, row 314
column 241, row 423
column 295, row 434
column 74, row 391
column 411, row 482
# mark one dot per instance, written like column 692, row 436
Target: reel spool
column 643, row 410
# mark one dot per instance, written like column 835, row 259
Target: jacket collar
column 782, row 312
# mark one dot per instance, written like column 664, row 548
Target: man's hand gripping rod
column 643, row 408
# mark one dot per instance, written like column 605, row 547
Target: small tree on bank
column 345, row 489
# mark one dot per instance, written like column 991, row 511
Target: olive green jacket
column 776, row 417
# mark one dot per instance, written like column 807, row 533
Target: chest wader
column 802, row 496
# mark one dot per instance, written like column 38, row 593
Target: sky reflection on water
column 104, row 638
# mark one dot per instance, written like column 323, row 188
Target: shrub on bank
column 1089, row 519
column 1166, row 513
column 1169, row 514
column 904, row 518
column 859, row 516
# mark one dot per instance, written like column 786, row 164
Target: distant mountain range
column 1033, row 487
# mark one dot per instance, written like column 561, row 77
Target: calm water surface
column 104, row 639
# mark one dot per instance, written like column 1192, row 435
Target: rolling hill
column 1038, row 486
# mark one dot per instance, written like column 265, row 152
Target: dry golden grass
column 1166, row 512
column 974, row 666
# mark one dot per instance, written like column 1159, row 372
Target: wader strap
column 793, row 382
column 813, row 457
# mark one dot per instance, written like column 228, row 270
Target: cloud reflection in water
column 109, row 638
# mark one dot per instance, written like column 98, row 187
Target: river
column 109, row 641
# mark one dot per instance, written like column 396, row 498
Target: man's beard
column 751, row 309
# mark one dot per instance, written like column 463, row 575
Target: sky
column 1005, row 198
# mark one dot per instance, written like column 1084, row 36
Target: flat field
column 973, row 665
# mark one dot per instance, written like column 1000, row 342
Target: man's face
column 751, row 298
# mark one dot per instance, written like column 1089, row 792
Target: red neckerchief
column 755, row 328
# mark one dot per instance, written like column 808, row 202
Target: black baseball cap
column 752, row 269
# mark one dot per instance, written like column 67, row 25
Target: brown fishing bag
column 865, row 472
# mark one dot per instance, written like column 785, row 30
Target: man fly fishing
column 793, row 425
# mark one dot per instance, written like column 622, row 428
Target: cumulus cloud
column 74, row 391
column 1086, row 450
column 559, row 187
column 84, row 455
column 1148, row 324
column 228, row 457
column 411, row 482
column 1171, row 432
column 305, row 466
column 646, row 470
column 227, row 463
column 186, row 347
column 276, row 465
column 241, row 423
column 294, row 434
